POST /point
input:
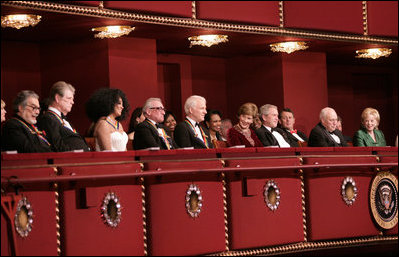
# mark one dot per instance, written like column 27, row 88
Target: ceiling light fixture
column 207, row 40
column 112, row 31
column 18, row 21
column 373, row 53
column 288, row 47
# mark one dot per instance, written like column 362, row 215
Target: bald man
column 325, row 133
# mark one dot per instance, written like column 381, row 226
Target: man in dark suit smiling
column 190, row 133
column 150, row 132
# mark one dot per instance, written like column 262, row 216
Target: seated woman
column 241, row 133
column 213, row 122
column 169, row 121
column 369, row 134
column 136, row 118
column 106, row 108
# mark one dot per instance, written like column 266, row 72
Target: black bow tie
column 273, row 129
column 197, row 124
column 157, row 125
column 63, row 116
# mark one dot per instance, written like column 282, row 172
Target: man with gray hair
column 62, row 136
column 150, row 132
column 269, row 134
column 325, row 133
column 20, row 132
column 190, row 133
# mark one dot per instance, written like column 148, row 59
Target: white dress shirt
column 66, row 123
column 280, row 139
column 197, row 130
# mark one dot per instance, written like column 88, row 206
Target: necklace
column 114, row 124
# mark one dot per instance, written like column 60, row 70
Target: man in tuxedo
column 325, row 133
column 269, row 134
column 287, row 122
column 150, row 132
column 20, row 132
column 190, row 133
column 62, row 136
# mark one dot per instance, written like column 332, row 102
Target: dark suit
column 293, row 140
column 146, row 135
column 185, row 137
column 267, row 138
column 320, row 137
column 22, row 138
column 62, row 139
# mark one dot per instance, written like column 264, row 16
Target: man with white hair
column 190, row 133
column 325, row 133
column 150, row 132
column 20, row 132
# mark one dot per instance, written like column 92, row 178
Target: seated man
column 269, row 134
column 20, row 133
column 325, row 133
column 58, row 130
column 150, row 132
column 190, row 133
column 287, row 122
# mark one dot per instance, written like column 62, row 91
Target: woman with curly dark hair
column 106, row 108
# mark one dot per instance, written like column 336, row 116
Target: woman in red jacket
column 241, row 133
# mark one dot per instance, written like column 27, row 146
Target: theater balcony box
column 33, row 206
column 265, row 203
column 337, row 198
column 103, row 212
column 185, row 206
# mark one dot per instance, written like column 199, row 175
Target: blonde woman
column 369, row 134
column 3, row 111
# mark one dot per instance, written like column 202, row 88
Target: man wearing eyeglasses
column 20, row 132
column 150, row 132
column 62, row 136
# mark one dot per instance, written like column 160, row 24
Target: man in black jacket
column 150, row 132
column 62, row 136
column 20, row 132
column 269, row 134
column 287, row 122
column 325, row 133
column 190, row 133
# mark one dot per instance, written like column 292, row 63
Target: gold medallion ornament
column 384, row 200
column 349, row 190
column 111, row 210
column 23, row 218
column 272, row 195
column 193, row 201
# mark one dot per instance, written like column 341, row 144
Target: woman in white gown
column 107, row 107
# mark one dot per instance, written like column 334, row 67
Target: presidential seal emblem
column 384, row 200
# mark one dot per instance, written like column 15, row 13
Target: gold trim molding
column 306, row 246
column 365, row 20
column 194, row 23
